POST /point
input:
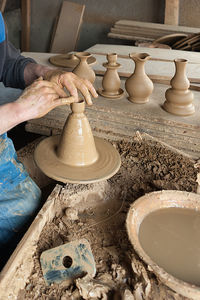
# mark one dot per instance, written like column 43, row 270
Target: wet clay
column 83, row 70
column 170, row 236
column 139, row 86
column 111, row 81
column 179, row 99
column 76, row 156
column 69, row 60
column 146, row 167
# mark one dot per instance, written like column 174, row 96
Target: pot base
column 138, row 100
column 179, row 110
column 111, row 96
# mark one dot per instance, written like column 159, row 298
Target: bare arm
column 36, row 101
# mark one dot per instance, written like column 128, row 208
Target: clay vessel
column 76, row 146
column 139, row 86
column 83, row 70
column 111, row 81
column 179, row 99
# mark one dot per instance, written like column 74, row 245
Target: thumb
column 67, row 100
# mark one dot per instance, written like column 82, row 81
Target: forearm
column 32, row 71
column 11, row 115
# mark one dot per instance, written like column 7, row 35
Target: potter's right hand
column 72, row 83
column 41, row 97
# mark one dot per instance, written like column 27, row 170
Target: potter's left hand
column 72, row 83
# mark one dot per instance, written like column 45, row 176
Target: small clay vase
column 76, row 146
column 179, row 99
column 111, row 81
column 83, row 70
column 139, row 86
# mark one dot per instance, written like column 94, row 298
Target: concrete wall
column 99, row 16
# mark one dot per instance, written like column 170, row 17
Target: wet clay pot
column 76, row 156
column 179, row 99
column 83, row 70
column 139, row 86
column 111, row 81
column 77, row 134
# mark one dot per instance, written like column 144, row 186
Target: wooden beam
column 2, row 5
column 172, row 12
column 26, row 21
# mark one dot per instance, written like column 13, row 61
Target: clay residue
column 146, row 166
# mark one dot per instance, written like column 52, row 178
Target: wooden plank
column 156, row 53
column 172, row 12
column 68, row 28
column 128, row 37
column 2, row 5
column 157, row 26
column 26, row 16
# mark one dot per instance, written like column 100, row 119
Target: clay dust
column 146, row 166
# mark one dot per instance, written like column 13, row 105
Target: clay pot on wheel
column 139, row 86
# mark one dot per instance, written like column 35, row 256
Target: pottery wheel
column 66, row 60
column 106, row 166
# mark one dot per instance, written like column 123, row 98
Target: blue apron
column 19, row 195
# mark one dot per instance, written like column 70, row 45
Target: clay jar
column 139, row 86
column 83, row 70
column 178, row 97
column 76, row 146
column 111, row 81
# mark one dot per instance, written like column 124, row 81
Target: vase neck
column 139, row 66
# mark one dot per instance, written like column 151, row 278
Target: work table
column 109, row 118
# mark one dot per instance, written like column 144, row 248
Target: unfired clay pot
column 111, row 81
column 77, row 134
column 83, row 70
column 179, row 100
column 76, row 156
column 139, row 86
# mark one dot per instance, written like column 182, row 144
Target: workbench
column 110, row 118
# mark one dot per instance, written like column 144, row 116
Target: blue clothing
column 19, row 195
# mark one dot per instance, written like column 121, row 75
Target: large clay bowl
column 150, row 203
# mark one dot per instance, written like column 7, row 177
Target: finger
column 70, row 86
column 53, row 86
column 91, row 88
column 64, row 101
column 80, row 84
column 39, row 78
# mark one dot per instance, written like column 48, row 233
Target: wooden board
column 156, row 26
column 2, row 5
column 68, row 27
column 156, row 53
column 172, row 12
column 26, row 23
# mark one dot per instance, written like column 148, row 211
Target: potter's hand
column 41, row 97
column 72, row 83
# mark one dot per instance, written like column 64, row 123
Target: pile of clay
column 147, row 165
